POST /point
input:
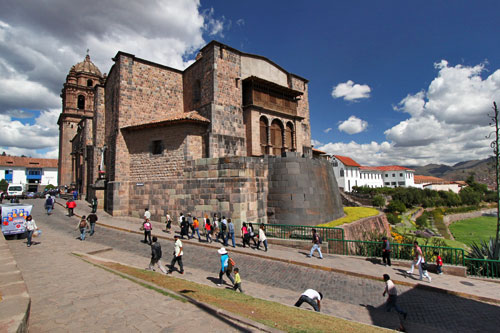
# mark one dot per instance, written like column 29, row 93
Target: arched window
column 263, row 124
column 277, row 137
column 289, row 137
column 81, row 102
column 89, row 83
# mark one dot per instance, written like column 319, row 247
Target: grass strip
column 272, row 314
column 352, row 214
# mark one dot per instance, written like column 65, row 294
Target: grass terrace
column 352, row 214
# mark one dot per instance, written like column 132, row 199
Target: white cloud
column 350, row 91
column 327, row 130
column 353, row 125
column 316, row 143
column 240, row 22
column 448, row 122
column 38, row 46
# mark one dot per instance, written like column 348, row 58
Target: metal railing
column 302, row 232
column 450, row 255
column 488, row 268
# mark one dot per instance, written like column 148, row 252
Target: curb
column 15, row 301
column 206, row 307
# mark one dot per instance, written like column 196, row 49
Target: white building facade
column 349, row 173
column 33, row 173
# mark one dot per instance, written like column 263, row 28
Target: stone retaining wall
column 356, row 230
column 15, row 301
column 449, row 219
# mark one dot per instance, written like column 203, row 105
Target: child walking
column 237, row 280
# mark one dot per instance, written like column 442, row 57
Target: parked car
column 30, row 195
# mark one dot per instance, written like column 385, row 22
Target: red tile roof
column 368, row 168
column 419, row 179
column 347, row 161
column 393, row 168
column 27, row 162
column 191, row 116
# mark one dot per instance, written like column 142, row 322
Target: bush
column 396, row 206
column 422, row 221
column 3, row 185
column 378, row 201
column 393, row 218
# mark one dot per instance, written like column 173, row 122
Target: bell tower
column 77, row 104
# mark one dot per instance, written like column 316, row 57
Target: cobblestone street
column 62, row 284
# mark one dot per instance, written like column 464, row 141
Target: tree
column 3, row 185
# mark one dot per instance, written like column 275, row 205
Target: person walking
column 196, row 226
column 223, row 230
column 191, row 225
column 386, row 251
column 156, row 256
column 82, row 225
column 184, row 227
column 92, row 219
column 251, row 235
column 262, row 237
column 311, row 297
column 244, row 235
column 71, row 205
column 177, row 256
column 146, row 225
column 224, row 261
column 49, row 204
column 147, row 214
column 208, row 230
column 316, row 245
column 439, row 263
column 216, row 227
column 30, row 226
column 392, row 298
column 94, row 205
column 75, row 194
column 237, row 280
column 230, row 227
column 168, row 225
column 418, row 261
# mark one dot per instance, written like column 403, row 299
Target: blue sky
column 391, row 82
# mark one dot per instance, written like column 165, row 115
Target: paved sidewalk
column 464, row 287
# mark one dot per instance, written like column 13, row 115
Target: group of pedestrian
column 87, row 223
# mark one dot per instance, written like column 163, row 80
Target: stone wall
column 289, row 190
column 356, row 230
column 449, row 219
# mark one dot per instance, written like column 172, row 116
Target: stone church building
column 230, row 134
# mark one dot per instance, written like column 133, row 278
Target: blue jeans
column 314, row 248
column 30, row 235
column 392, row 303
column 231, row 234
column 49, row 209
column 82, row 233
column 92, row 226
column 198, row 233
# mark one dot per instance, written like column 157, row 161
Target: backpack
column 231, row 263
column 83, row 224
column 223, row 226
column 147, row 226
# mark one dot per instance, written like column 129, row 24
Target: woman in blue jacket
column 224, row 262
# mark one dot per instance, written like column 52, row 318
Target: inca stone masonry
column 229, row 135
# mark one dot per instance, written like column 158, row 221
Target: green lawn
column 474, row 230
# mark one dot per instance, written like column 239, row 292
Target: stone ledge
column 15, row 301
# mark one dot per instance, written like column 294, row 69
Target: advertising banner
column 14, row 218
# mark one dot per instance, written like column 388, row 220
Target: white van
column 15, row 191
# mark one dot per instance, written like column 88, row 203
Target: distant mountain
column 484, row 171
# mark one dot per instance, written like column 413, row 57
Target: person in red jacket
column 439, row 263
column 70, row 204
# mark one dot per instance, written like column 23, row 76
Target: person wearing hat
column 312, row 297
column 224, row 262
column 177, row 255
column 386, row 251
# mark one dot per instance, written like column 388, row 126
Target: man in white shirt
column 392, row 292
column 147, row 214
column 312, row 297
column 177, row 255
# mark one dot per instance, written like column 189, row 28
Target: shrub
column 396, row 206
column 393, row 218
column 3, row 185
column 378, row 201
column 422, row 221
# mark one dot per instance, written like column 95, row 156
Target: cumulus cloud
column 327, row 130
column 240, row 22
column 38, row 46
column 447, row 123
column 353, row 125
column 316, row 143
column 350, row 91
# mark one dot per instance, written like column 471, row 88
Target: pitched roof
column 191, row 116
column 28, row 162
column 393, row 168
column 347, row 161
column 317, row 151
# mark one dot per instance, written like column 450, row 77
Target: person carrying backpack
column 82, row 225
column 316, row 244
column 225, row 269
column 146, row 225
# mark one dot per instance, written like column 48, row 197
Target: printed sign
column 14, row 218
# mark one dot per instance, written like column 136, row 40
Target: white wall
column 263, row 69
column 49, row 176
